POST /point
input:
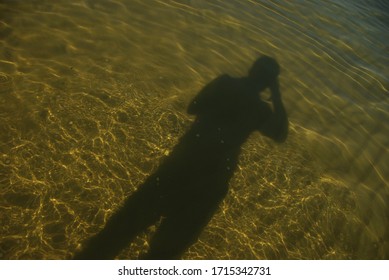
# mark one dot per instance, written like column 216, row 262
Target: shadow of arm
column 277, row 125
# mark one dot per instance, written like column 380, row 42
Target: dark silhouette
column 191, row 182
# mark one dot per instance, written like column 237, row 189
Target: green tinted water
column 93, row 95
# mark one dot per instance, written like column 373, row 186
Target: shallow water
column 93, row 95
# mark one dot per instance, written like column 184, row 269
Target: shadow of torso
column 202, row 163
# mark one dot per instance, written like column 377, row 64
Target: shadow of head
column 264, row 71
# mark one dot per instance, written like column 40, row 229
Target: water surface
column 93, row 96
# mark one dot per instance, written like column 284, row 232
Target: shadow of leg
column 139, row 211
column 178, row 232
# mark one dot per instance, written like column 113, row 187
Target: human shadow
column 188, row 186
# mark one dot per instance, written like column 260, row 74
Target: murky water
column 93, row 95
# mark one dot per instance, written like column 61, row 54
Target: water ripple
column 93, row 95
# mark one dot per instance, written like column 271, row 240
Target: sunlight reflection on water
column 93, row 95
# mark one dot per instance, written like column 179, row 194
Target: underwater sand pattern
column 93, row 96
